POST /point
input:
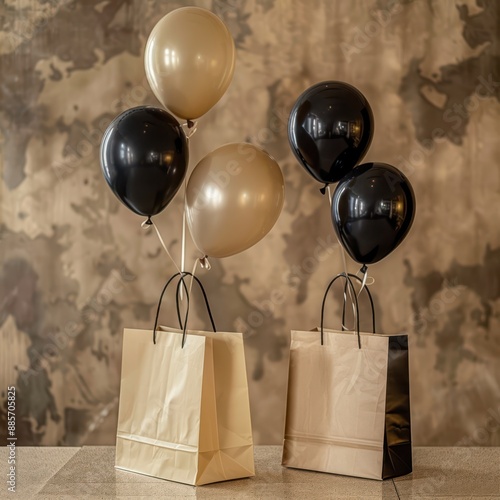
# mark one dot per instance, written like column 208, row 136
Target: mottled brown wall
column 76, row 267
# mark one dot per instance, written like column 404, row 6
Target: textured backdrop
column 76, row 267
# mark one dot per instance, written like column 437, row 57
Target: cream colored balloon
column 189, row 61
column 234, row 197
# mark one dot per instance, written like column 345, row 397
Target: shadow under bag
column 348, row 402
column 184, row 410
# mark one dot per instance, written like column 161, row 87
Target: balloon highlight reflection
column 189, row 61
column 144, row 158
column 330, row 129
column 373, row 209
column 234, row 197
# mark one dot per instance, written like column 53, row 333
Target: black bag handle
column 183, row 326
column 369, row 296
column 205, row 298
column 349, row 283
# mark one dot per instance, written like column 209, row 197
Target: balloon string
column 150, row 222
column 190, row 128
column 367, row 280
column 329, row 194
column 351, row 297
column 204, row 263
column 365, row 277
column 344, row 264
column 183, row 242
column 193, row 272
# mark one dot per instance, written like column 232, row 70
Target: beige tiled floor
column 88, row 472
column 452, row 473
column 35, row 467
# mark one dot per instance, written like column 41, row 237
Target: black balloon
column 372, row 211
column 144, row 158
column 330, row 129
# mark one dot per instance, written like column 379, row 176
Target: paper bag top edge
column 352, row 332
column 200, row 333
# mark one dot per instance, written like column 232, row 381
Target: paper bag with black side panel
column 348, row 401
column 184, row 410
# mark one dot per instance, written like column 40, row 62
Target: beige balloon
column 234, row 197
column 189, row 61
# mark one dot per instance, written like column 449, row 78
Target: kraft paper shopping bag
column 348, row 405
column 184, row 410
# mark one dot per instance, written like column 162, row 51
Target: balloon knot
column 190, row 123
column 364, row 269
column 204, row 263
column 148, row 222
column 323, row 189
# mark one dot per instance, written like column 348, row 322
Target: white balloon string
column 349, row 291
column 367, row 280
column 363, row 283
column 329, row 195
column 196, row 262
column 150, row 222
column 183, row 241
column 203, row 259
column 193, row 272
column 344, row 264
column 190, row 128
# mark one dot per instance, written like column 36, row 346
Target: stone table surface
column 88, row 472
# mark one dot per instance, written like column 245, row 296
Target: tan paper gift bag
column 184, row 410
column 348, row 406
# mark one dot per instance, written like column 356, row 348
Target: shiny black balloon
column 372, row 211
column 330, row 129
column 144, row 158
